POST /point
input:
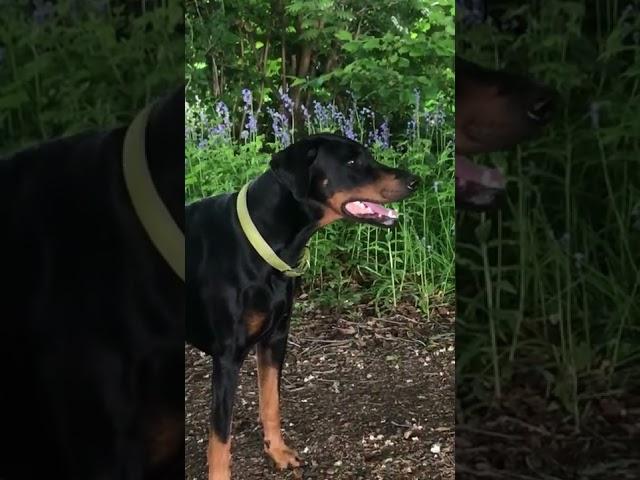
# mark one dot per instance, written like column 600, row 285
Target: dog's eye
column 351, row 163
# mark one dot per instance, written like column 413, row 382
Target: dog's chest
column 266, row 309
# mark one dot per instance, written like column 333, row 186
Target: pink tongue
column 368, row 208
column 380, row 210
column 468, row 171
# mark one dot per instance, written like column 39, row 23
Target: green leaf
column 483, row 231
column 344, row 36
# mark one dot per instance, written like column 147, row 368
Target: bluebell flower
column 101, row 6
column 247, row 97
column 385, row 134
column 286, row 100
column 252, row 124
column 336, row 115
column 223, row 112
column 346, row 126
column 305, row 113
column 279, row 124
column 43, row 11
column 321, row 114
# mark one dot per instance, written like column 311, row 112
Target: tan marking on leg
column 165, row 437
column 274, row 445
column 219, row 458
column 254, row 322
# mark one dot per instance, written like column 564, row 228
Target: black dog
column 495, row 110
column 92, row 316
column 236, row 300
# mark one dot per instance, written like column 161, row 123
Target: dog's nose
column 541, row 107
column 413, row 183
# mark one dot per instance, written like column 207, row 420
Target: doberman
column 495, row 110
column 91, row 314
column 236, row 300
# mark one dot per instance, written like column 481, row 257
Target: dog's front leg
column 270, row 356
column 225, row 381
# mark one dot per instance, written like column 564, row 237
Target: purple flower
column 252, row 124
column 346, row 126
column 43, row 11
column 101, row 6
column 247, row 97
column 244, row 134
column 286, row 100
column 473, row 11
column 336, row 115
column 219, row 129
column 385, row 134
column 223, row 111
column 381, row 136
column 202, row 143
column 321, row 114
column 279, row 124
column 305, row 113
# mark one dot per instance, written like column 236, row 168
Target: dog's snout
column 541, row 107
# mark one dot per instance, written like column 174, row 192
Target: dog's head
column 342, row 179
column 495, row 110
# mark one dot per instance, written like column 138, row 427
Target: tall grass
column 412, row 262
column 67, row 66
column 557, row 274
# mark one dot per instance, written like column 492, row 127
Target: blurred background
column 71, row 65
column 548, row 313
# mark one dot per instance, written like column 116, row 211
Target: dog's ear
column 293, row 164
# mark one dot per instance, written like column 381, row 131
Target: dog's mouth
column 370, row 212
column 477, row 186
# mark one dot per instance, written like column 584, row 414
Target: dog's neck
column 164, row 148
column 285, row 223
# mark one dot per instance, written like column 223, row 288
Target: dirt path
column 368, row 398
column 527, row 437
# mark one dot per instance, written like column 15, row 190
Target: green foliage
column 80, row 65
column 557, row 275
column 379, row 51
column 411, row 262
column 262, row 73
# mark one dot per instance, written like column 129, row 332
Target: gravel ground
column 528, row 437
column 364, row 397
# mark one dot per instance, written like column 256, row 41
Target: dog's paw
column 282, row 456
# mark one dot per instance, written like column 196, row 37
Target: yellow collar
column 260, row 244
column 151, row 210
